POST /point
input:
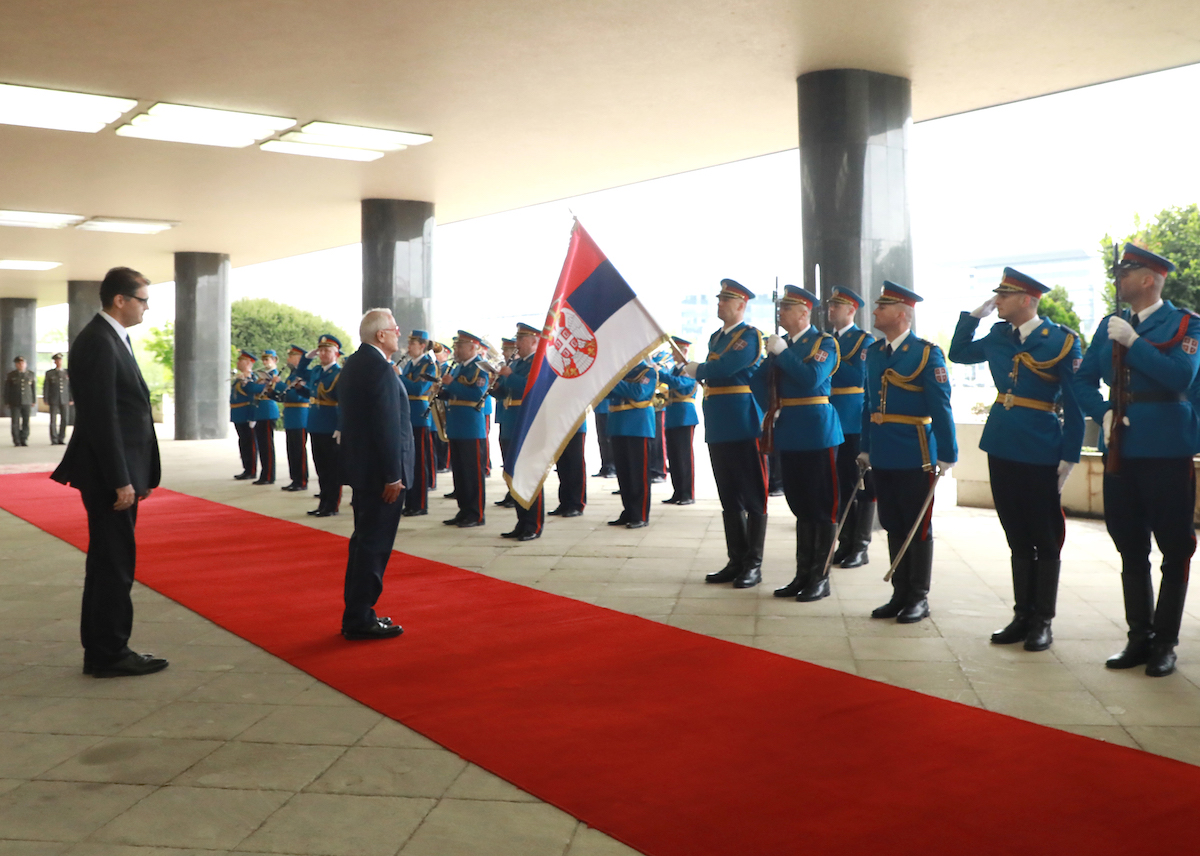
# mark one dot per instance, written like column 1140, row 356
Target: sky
column 1048, row 174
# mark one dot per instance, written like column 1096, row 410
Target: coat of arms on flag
column 572, row 348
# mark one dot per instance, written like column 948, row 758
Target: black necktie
column 1134, row 319
column 1016, row 337
column 888, row 349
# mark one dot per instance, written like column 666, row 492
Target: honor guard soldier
column 607, row 469
column 681, row 421
column 241, row 414
column 295, row 400
column 1030, row 449
column 572, row 475
column 266, row 411
column 908, row 440
column 658, row 445
column 441, row 448
column 631, row 430
column 732, row 426
column 1153, row 490
column 508, row 347
column 418, row 376
column 511, row 389
column 846, row 396
column 465, row 389
column 20, row 394
column 56, row 392
column 323, row 424
column 794, row 382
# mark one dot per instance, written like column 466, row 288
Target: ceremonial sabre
column 911, row 532
column 862, row 472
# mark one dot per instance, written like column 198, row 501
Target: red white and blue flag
column 595, row 332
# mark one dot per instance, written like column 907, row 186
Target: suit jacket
column 373, row 410
column 113, row 443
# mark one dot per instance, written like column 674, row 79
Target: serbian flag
column 595, row 332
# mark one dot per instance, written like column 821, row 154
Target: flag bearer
column 631, row 430
column 512, row 386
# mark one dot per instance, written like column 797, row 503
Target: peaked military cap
column 1136, row 257
column 679, row 340
column 841, row 294
column 895, row 293
column 463, row 334
column 270, row 352
column 247, row 355
column 328, row 339
column 522, row 327
column 418, row 336
column 733, row 288
column 57, row 357
column 296, row 349
column 793, row 294
column 1015, row 282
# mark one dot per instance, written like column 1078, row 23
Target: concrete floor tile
column 34, row 811
column 25, row 756
column 1114, row 734
column 162, row 686
column 495, row 828
column 1181, row 742
column 261, row 766
column 94, row 848
column 391, row 772
column 809, row 648
column 592, row 842
column 1049, row 675
column 1153, row 708
column 391, row 733
column 1047, row 708
column 32, row 848
column 339, row 825
column 476, row 783
column 967, row 697
column 322, row 695
column 915, row 675
column 800, row 625
column 709, row 625
column 251, row 688
column 132, row 760
column 198, row 720
column 324, row 725
column 1095, row 677
column 204, row 818
column 80, row 715
column 900, row 648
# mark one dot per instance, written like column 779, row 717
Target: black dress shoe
column 670, row 500
column 513, row 534
column 468, row 524
column 1039, row 637
column 378, row 630
column 1016, row 631
column 508, row 503
column 131, row 665
column 555, row 512
column 658, row 480
column 815, row 590
column 636, row 524
column 326, row 512
column 748, row 578
column 793, row 588
column 446, row 470
column 1135, row 654
column 529, row 536
column 574, row 512
column 1161, row 662
column 616, row 493
column 889, row 610
column 685, row 502
column 414, row 512
column 244, row 476
column 264, row 481
column 776, row 492
column 453, row 521
column 314, row 512
column 450, row 495
column 620, row 521
column 727, row 574
column 914, row 612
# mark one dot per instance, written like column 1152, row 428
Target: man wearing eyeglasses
column 1154, row 490
column 112, row 460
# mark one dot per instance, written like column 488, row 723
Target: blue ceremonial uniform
column 846, row 394
column 630, row 427
column 466, row 431
column 264, row 405
column 241, row 414
column 907, row 419
column 730, row 410
column 418, row 378
column 849, row 380
column 681, row 398
column 322, row 422
column 681, row 421
column 322, row 412
column 266, row 411
column 294, row 399
column 807, row 419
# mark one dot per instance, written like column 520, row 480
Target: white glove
column 944, row 467
column 1108, row 419
column 311, row 354
column 1120, row 331
column 775, row 344
column 985, row 309
column 252, row 423
column 690, row 369
column 337, row 436
column 1064, row 472
column 864, row 460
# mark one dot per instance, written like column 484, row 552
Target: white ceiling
column 526, row 101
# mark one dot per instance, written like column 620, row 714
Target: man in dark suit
column 377, row 459
column 112, row 459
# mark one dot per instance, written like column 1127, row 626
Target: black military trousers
column 810, row 484
column 572, row 475
column 631, row 458
column 657, row 463
column 106, row 618
column 264, row 438
column 1153, row 496
column 774, row 473
column 847, row 469
column 329, row 470
column 900, row 494
column 247, row 448
column 681, row 461
column 531, row 520
column 416, row 495
column 740, row 471
column 468, row 460
column 297, row 452
column 605, row 444
column 19, row 417
column 1029, row 508
column 375, row 523
column 441, row 457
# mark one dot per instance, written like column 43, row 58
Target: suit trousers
column 572, row 475
column 810, row 484
column 297, row 452
column 467, row 462
column 631, row 458
column 740, row 471
column 605, row 444
column 1029, row 508
column 58, row 422
column 264, row 438
column 19, row 416
column 329, row 470
column 681, row 461
column 416, row 495
column 246, row 447
column 375, row 523
column 106, row 618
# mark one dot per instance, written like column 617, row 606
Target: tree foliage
column 161, row 345
column 1174, row 234
column 1057, row 306
column 257, row 324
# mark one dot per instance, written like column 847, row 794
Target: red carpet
column 672, row 742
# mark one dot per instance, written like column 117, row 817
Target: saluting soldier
column 1030, row 449
column 56, row 392
column 418, row 376
column 510, row 389
column 1154, row 490
column 807, row 434
column 907, row 438
column 241, row 414
column 323, row 424
column 846, row 396
column 295, row 399
column 631, row 430
column 266, row 411
column 681, row 421
column 465, row 389
column 732, row 427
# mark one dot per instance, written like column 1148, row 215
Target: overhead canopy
column 526, row 101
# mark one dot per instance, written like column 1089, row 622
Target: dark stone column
column 853, row 150
column 202, row 355
column 18, row 336
column 83, row 302
column 397, row 244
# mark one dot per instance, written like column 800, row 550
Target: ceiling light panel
column 58, row 110
column 317, row 151
column 126, row 225
column 203, row 126
column 24, row 264
column 38, row 219
column 334, row 134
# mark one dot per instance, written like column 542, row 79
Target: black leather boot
column 899, row 581
column 1045, row 596
column 1161, row 661
column 756, row 537
column 864, row 522
column 846, row 538
column 920, row 572
column 1018, row 628
column 735, row 548
column 1139, row 615
column 804, row 547
column 818, row 580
